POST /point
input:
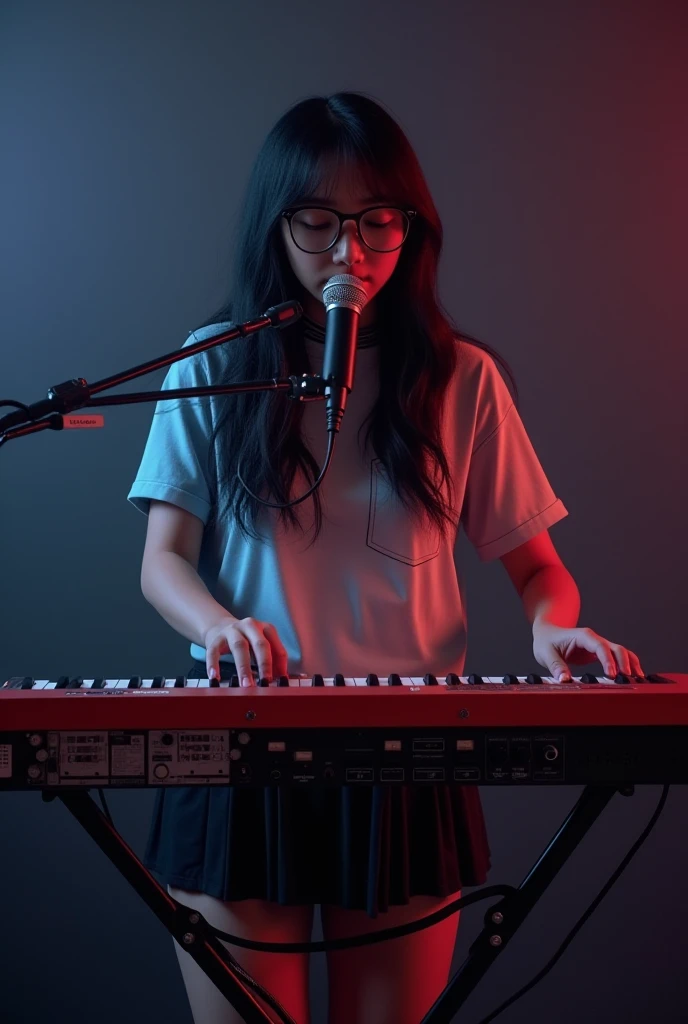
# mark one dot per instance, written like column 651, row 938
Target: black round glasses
column 316, row 229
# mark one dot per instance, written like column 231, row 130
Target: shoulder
column 481, row 396
column 199, row 365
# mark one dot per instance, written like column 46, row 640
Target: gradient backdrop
column 553, row 138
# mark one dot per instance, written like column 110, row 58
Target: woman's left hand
column 555, row 646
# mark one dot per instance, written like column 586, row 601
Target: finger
column 241, row 653
column 637, row 667
column 262, row 650
column 212, row 656
column 622, row 658
column 605, row 657
column 280, row 658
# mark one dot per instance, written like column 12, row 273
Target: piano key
column 359, row 681
column 146, row 684
column 193, row 683
column 40, row 684
column 169, row 684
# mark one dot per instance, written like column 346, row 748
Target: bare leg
column 391, row 982
column 284, row 975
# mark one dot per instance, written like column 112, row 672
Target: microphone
column 344, row 296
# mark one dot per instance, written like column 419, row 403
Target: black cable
column 593, row 906
column 475, row 897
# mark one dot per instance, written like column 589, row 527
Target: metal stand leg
column 189, row 928
column 502, row 920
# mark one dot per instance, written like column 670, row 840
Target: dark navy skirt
column 361, row 848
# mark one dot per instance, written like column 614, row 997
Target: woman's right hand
column 238, row 637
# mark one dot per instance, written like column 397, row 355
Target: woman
column 359, row 578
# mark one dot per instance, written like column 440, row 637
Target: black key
column 19, row 683
column 263, row 681
column 620, row 677
column 452, row 679
column 318, row 680
column 234, row 681
column 372, row 680
column 284, row 681
column 74, row 684
column 654, row 678
column 534, row 678
column 339, row 679
column 511, row 680
column 180, row 681
column 394, row 680
column 134, row 683
column 158, row 683
column 430, row 680
column 474, row 679
column 588, row 677
column 62, row 683
column 98, row 684
column 214, row 683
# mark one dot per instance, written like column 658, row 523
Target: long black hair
column 404, row 424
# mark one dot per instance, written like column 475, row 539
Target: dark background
column 553, row 137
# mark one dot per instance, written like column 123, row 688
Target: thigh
column 390, row 982
column 283, row 975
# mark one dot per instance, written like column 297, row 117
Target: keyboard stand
column 188, row 927
column 502, row 919
column 196, row 936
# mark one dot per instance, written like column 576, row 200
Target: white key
column 193, row 683
column 224, row 683
column 294, row 682
column 169, row 684
column 494, row 679
column 202, row 683
column 110, row 684
column 406, row 681
column 145, row 684
column 328, row 682
column 358, row 681
column 42, row 684
column 305, row 682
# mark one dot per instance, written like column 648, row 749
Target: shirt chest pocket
column 394, row 531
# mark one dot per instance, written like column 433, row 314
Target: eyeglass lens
column 382, row 229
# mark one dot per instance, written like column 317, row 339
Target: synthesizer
column 332, row 731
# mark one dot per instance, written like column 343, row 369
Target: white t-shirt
column 377, row 592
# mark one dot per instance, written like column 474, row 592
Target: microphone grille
column 345, row 290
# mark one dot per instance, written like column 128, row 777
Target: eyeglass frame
column 291, row 210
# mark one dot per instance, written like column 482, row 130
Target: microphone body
column 344, row 297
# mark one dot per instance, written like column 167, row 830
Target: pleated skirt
column 358, row 847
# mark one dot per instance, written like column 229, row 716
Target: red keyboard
column 313, row 702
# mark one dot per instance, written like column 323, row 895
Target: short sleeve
column 174, row 466
column 508, row 498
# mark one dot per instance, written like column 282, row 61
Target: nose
column 349, row 246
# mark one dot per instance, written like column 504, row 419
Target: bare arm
column 169, row 576
column 171, row 584
column 180, row 596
